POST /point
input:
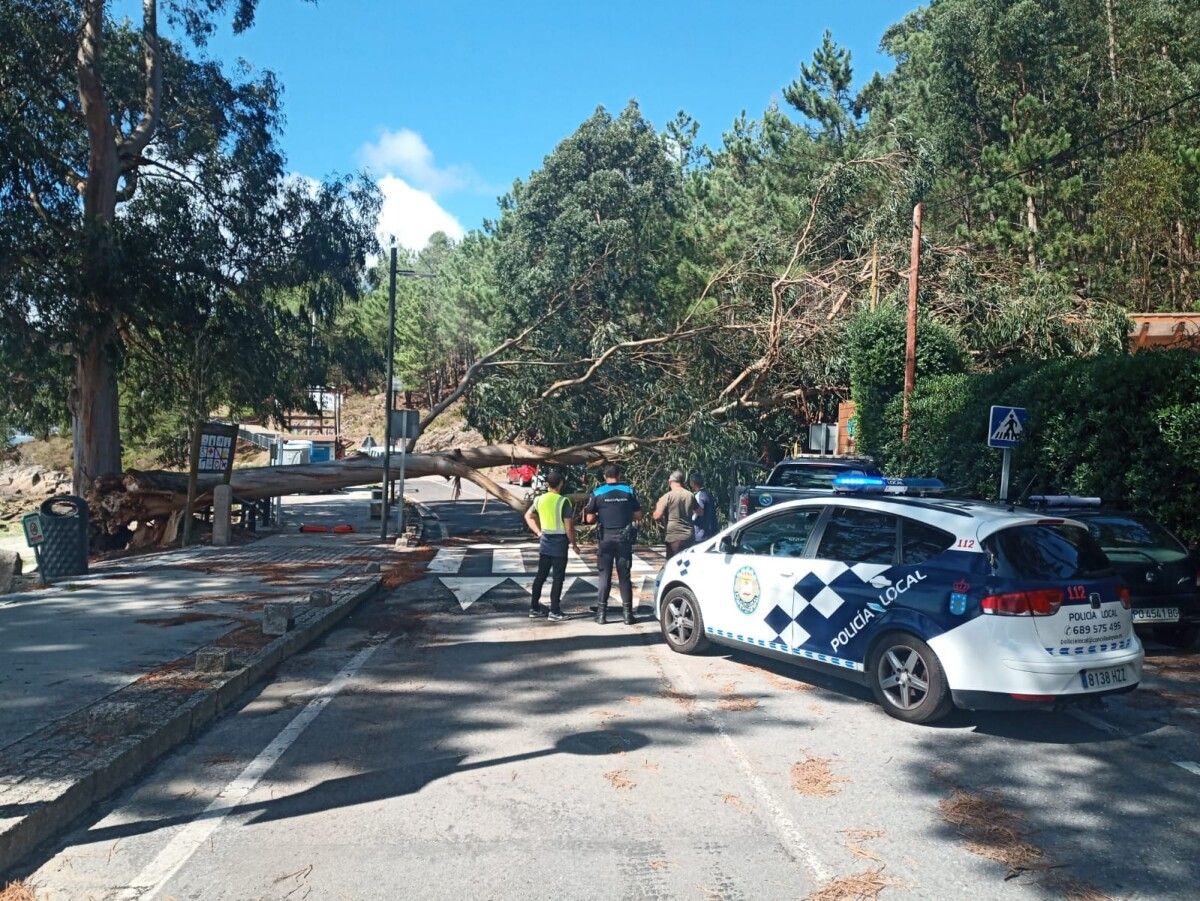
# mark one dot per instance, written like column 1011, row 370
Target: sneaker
column 536, row 612
column 557, row 617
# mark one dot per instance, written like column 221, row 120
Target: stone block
column 222, row 522
column 277, row 618
column 10, row 569
column 320, row 597
column 214, row 660
column 113, row 718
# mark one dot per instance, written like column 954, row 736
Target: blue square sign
column 1007, row 426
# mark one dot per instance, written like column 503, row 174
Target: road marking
column 641, row 566
column 508, row 560
column 575, row 563
column 1189, row 765
column 789, row 834
column 151, row 880
column 468, row 589
column 526, row 584
column 448, row 560
column 1096, row 722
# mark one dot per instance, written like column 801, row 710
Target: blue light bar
column 857, row 482
column 1063, row 500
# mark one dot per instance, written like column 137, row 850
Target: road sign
column 32, row 523
column 1007, row 426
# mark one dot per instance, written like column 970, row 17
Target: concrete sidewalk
column 119, row 643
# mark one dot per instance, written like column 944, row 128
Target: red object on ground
column 340, row 529
column 343, row 528
column 314, row 528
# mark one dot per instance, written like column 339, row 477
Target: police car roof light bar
column 1063, row 500
column 857, row 482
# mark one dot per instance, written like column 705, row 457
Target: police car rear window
column 1047, row 551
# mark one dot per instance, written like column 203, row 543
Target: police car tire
column 937, row 702
column 697, row 641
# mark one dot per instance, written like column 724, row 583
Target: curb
column 49, row 801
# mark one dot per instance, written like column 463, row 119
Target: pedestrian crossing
column 471, row 572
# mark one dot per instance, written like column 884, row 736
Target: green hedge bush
column 1122, row 427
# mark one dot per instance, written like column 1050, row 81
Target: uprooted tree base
column 155, row 500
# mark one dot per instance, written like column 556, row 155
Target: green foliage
column 1122, row 427
column 876, row 348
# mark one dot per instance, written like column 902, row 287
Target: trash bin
column 64, row 551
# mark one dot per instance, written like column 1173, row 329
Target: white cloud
column 405, row 153
column 412, row 215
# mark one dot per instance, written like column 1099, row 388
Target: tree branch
column 132, row 147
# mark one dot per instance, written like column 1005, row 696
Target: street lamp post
column 389, row 394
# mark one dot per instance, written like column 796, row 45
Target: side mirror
column 726, row 545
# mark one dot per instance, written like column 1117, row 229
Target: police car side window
column 859, row 536
column 920, row 541
column 785, row 535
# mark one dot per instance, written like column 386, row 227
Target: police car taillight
column 1124, row 596
column 1042, row 602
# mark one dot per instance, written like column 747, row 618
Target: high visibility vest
column 549, row 513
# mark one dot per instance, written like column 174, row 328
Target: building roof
column 1161, row 330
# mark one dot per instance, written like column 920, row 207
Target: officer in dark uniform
column 615, row 505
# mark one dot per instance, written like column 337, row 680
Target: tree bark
column 95, row 405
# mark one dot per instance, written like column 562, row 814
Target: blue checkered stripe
column 1090, row 649
column 781, row 646
column 817, row 600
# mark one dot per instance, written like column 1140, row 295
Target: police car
column 934, row 603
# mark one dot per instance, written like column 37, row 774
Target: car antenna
column 1024, row 493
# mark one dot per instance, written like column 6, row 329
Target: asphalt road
column 425, row 750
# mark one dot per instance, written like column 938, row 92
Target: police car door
column 753, row 602
column 857, row 549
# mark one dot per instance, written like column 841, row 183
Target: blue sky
column 448, row 102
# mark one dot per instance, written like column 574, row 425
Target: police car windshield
column 1130, row 536
column 809, row 476
column 1047, row 551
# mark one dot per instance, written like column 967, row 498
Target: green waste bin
column 64, row 550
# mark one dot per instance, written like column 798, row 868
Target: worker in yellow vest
column 552, row 518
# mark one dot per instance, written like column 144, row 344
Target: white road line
column 151, row 880
column 448, row 560
column 789, row 834
column 508, row 560
column 575, row 564
column 1189, row 765
column 468, row 589
column 641, row 566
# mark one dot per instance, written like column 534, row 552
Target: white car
column 933, row 603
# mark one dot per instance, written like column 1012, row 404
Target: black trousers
column 546, row 566
column 615, row 551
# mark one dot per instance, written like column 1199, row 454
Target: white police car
column 933, row 602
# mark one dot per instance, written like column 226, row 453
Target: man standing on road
column 705, row 517
column 552, row 519
column 674, row 510
column 616, row 506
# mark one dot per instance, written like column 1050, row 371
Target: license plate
column 1156, row 615
column 1112, row 677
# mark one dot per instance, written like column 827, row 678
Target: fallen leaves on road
column 183, row 619
column 864, row 886
column 175, row 675
column 17, row 891
column 992, row 830
column 687, row 702
column 854, row 839
column 619, row 779
column 733, row 801
column 785, row 684
column 733, row 701
column 633, row 699
column 1174, row 666
column 219, row 759
column 813, row 777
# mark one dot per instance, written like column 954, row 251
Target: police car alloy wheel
column 682, row 622
column 908, row 680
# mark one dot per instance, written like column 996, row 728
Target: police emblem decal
column 746, row 590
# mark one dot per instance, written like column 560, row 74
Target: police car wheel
column 682, row 622
column 908, row 680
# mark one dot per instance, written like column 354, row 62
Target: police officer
column 615, row 505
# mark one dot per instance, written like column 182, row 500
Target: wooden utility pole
column 391, row 372
column 910, row 337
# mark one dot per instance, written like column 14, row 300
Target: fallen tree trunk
column 145, row 496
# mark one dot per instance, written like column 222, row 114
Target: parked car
column 932, row 603
column 1162, row 575
column 523, row 474
column 794, row 478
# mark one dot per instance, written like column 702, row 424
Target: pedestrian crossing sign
column 1007, row 426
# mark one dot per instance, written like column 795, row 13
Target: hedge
column 1122, row 427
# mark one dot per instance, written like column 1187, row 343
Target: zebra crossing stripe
column 575, row 563
column 468, row 589
column 508, row 560
column 448, row 560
